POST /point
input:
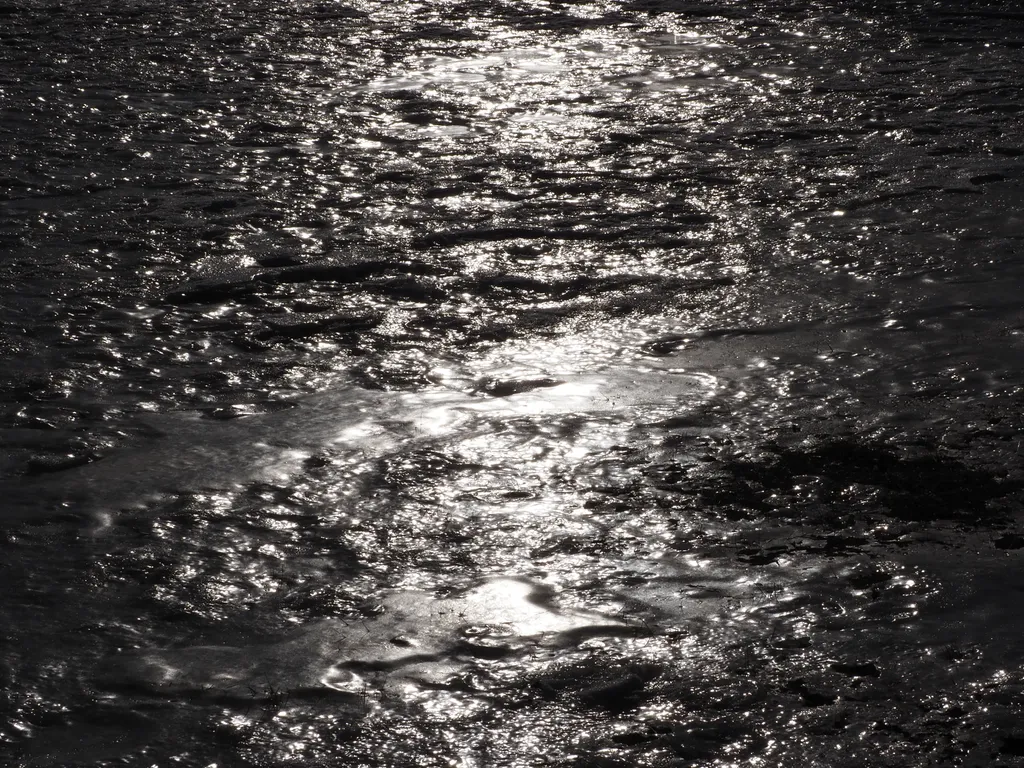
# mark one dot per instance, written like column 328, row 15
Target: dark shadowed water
column 515, row 383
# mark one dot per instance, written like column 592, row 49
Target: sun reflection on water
column 498, row 422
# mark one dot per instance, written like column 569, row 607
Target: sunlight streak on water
column 429, row 384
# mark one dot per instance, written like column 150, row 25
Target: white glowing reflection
column 415, row 637
column 540, row 93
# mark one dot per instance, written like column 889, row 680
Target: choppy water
column 511, row 383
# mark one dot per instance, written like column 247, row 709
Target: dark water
column 511, row 383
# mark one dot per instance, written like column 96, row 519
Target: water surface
column 509, row 384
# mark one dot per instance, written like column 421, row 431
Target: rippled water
column 510, row 384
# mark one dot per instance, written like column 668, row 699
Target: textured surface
column 511, row 383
